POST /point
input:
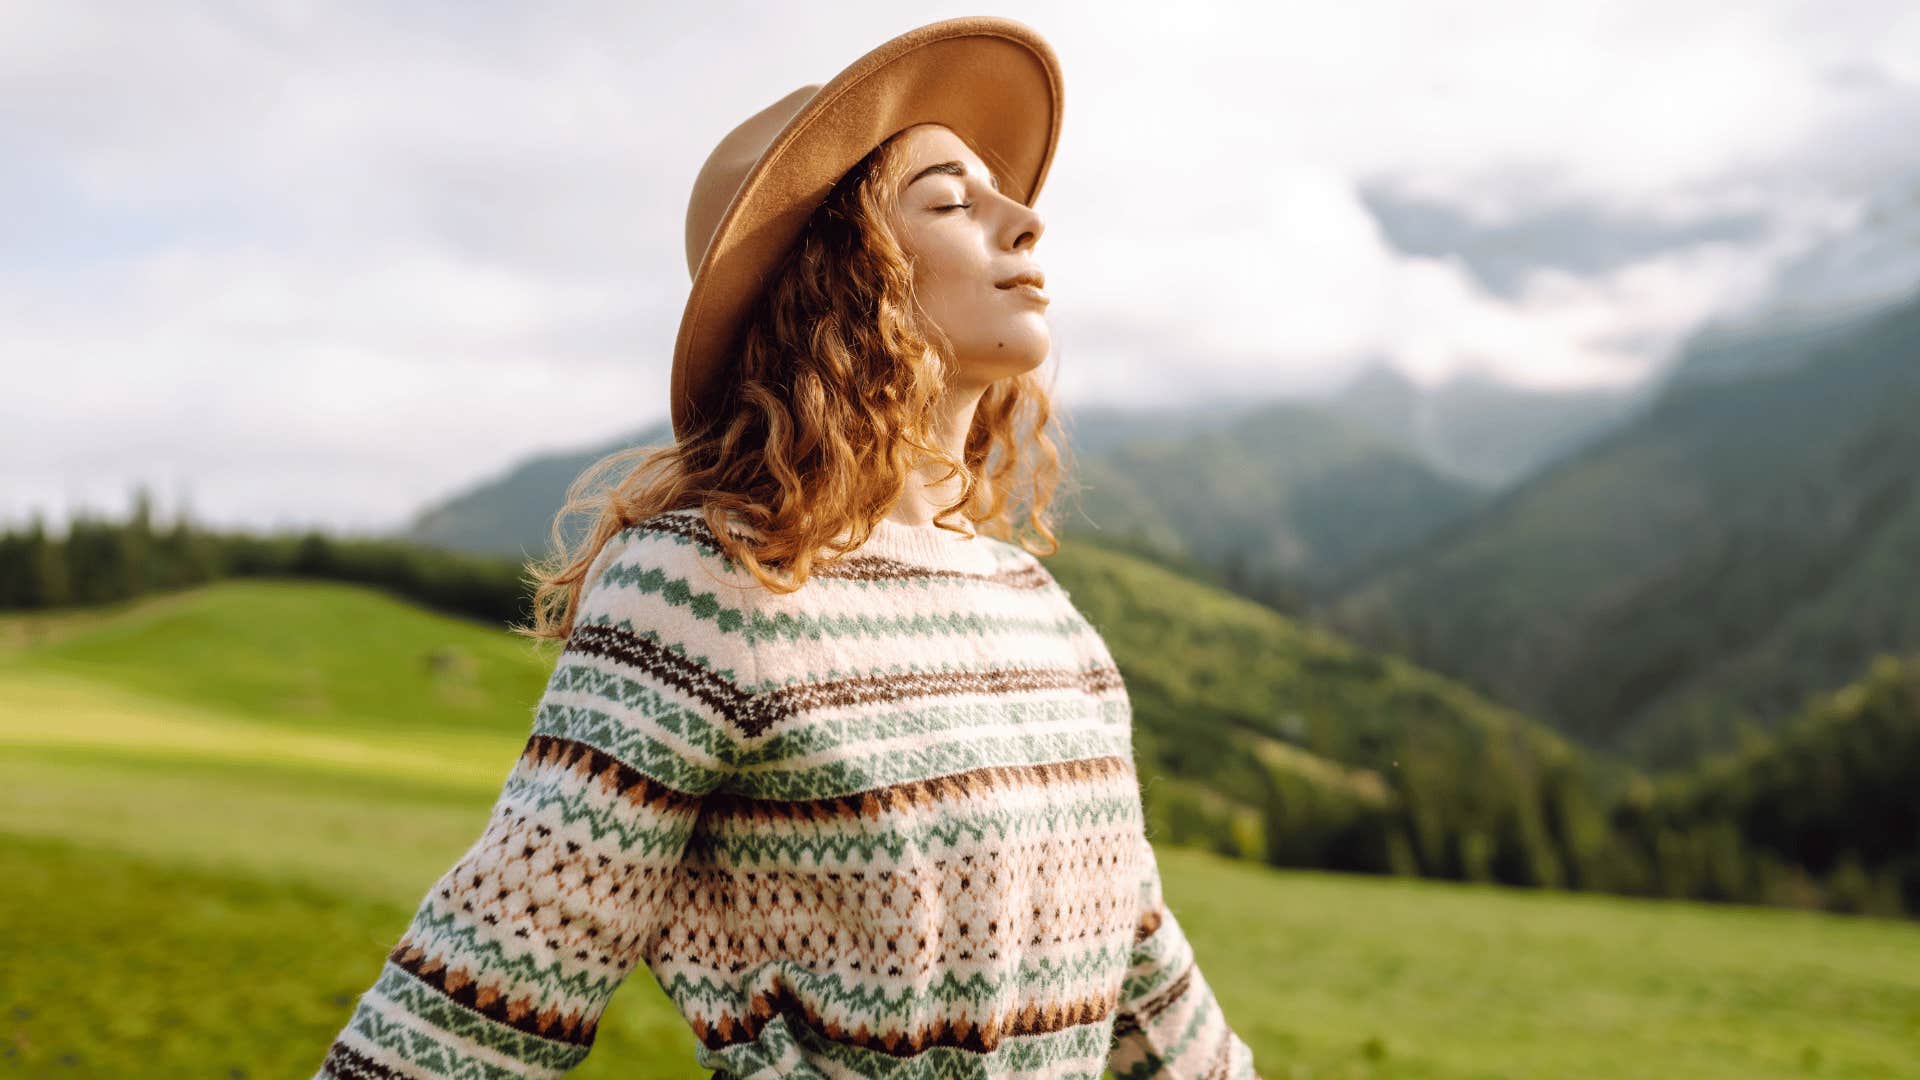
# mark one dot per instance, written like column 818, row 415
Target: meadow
column 219, row 807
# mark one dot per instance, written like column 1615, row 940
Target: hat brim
column 994, row 81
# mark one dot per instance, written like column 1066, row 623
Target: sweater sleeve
column 1169, row 1027
column 510, row 959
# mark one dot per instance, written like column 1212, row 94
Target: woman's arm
column 1169, row 1026
column 513, row 954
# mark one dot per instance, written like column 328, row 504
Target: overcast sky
column 325, row 263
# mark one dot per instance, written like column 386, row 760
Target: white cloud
column 324, row 263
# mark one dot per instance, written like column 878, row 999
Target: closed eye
column 954, row 206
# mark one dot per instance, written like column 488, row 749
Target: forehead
column 931, row 144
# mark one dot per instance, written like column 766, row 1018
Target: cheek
column 949, row 284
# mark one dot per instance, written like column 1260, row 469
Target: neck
column 925, row 493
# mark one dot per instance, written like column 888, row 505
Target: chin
column 1002, row 366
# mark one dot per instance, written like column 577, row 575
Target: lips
column 1031, row 277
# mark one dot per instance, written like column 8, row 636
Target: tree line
column 100, row 560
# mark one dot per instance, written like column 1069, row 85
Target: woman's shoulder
column 682, row 533
column 674, row 553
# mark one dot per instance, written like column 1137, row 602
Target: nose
column 1024, row 224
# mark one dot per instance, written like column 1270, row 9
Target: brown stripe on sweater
column 981, row 783
column 1165, row 999
column 856, row 567
column 661, row 664
column 1031, row 1019
column 343, row 1062
column 753, row 713
column 638, row 789
column 869, row 567
column 893, row 686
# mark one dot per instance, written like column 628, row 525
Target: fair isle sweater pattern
column 887, row 825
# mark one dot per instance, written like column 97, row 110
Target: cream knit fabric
column 886, row 825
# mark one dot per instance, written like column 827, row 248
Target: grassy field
column 206, row 859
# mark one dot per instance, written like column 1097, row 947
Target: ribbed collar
column 927, row 544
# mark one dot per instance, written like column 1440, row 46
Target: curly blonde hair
column 824, row 419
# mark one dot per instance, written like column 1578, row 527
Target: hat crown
column 727, row 168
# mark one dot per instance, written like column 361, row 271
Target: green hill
column 313, row 654
column 1739, row 547
column 1832, row 793
column 1274, row 739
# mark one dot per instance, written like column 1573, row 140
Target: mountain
column 1281, row 494
column 1741, row 544
column 1477, row 427
column 512, row 514
column 1100, row 430
column 1772, row 341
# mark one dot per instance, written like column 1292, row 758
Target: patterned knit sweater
column 887, row 825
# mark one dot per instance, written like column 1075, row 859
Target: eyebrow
column 948, row 168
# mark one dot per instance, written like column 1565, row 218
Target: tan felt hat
column 994, row 81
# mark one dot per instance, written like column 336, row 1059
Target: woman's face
column 965, row 239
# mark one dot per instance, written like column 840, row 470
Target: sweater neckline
column 927, row 543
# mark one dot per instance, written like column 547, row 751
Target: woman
column 831, row 755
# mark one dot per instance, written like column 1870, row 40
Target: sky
column 319, row 265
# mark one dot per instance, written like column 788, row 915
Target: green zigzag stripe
column 922, row 718
column 753, row 848
column 418, row 999
column 646, row 833
column 974, row 991
column 628, row 708
column 421, row 1050
column 848, row 777
column 634, row 747
column 452, row 936
column 792, row 626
